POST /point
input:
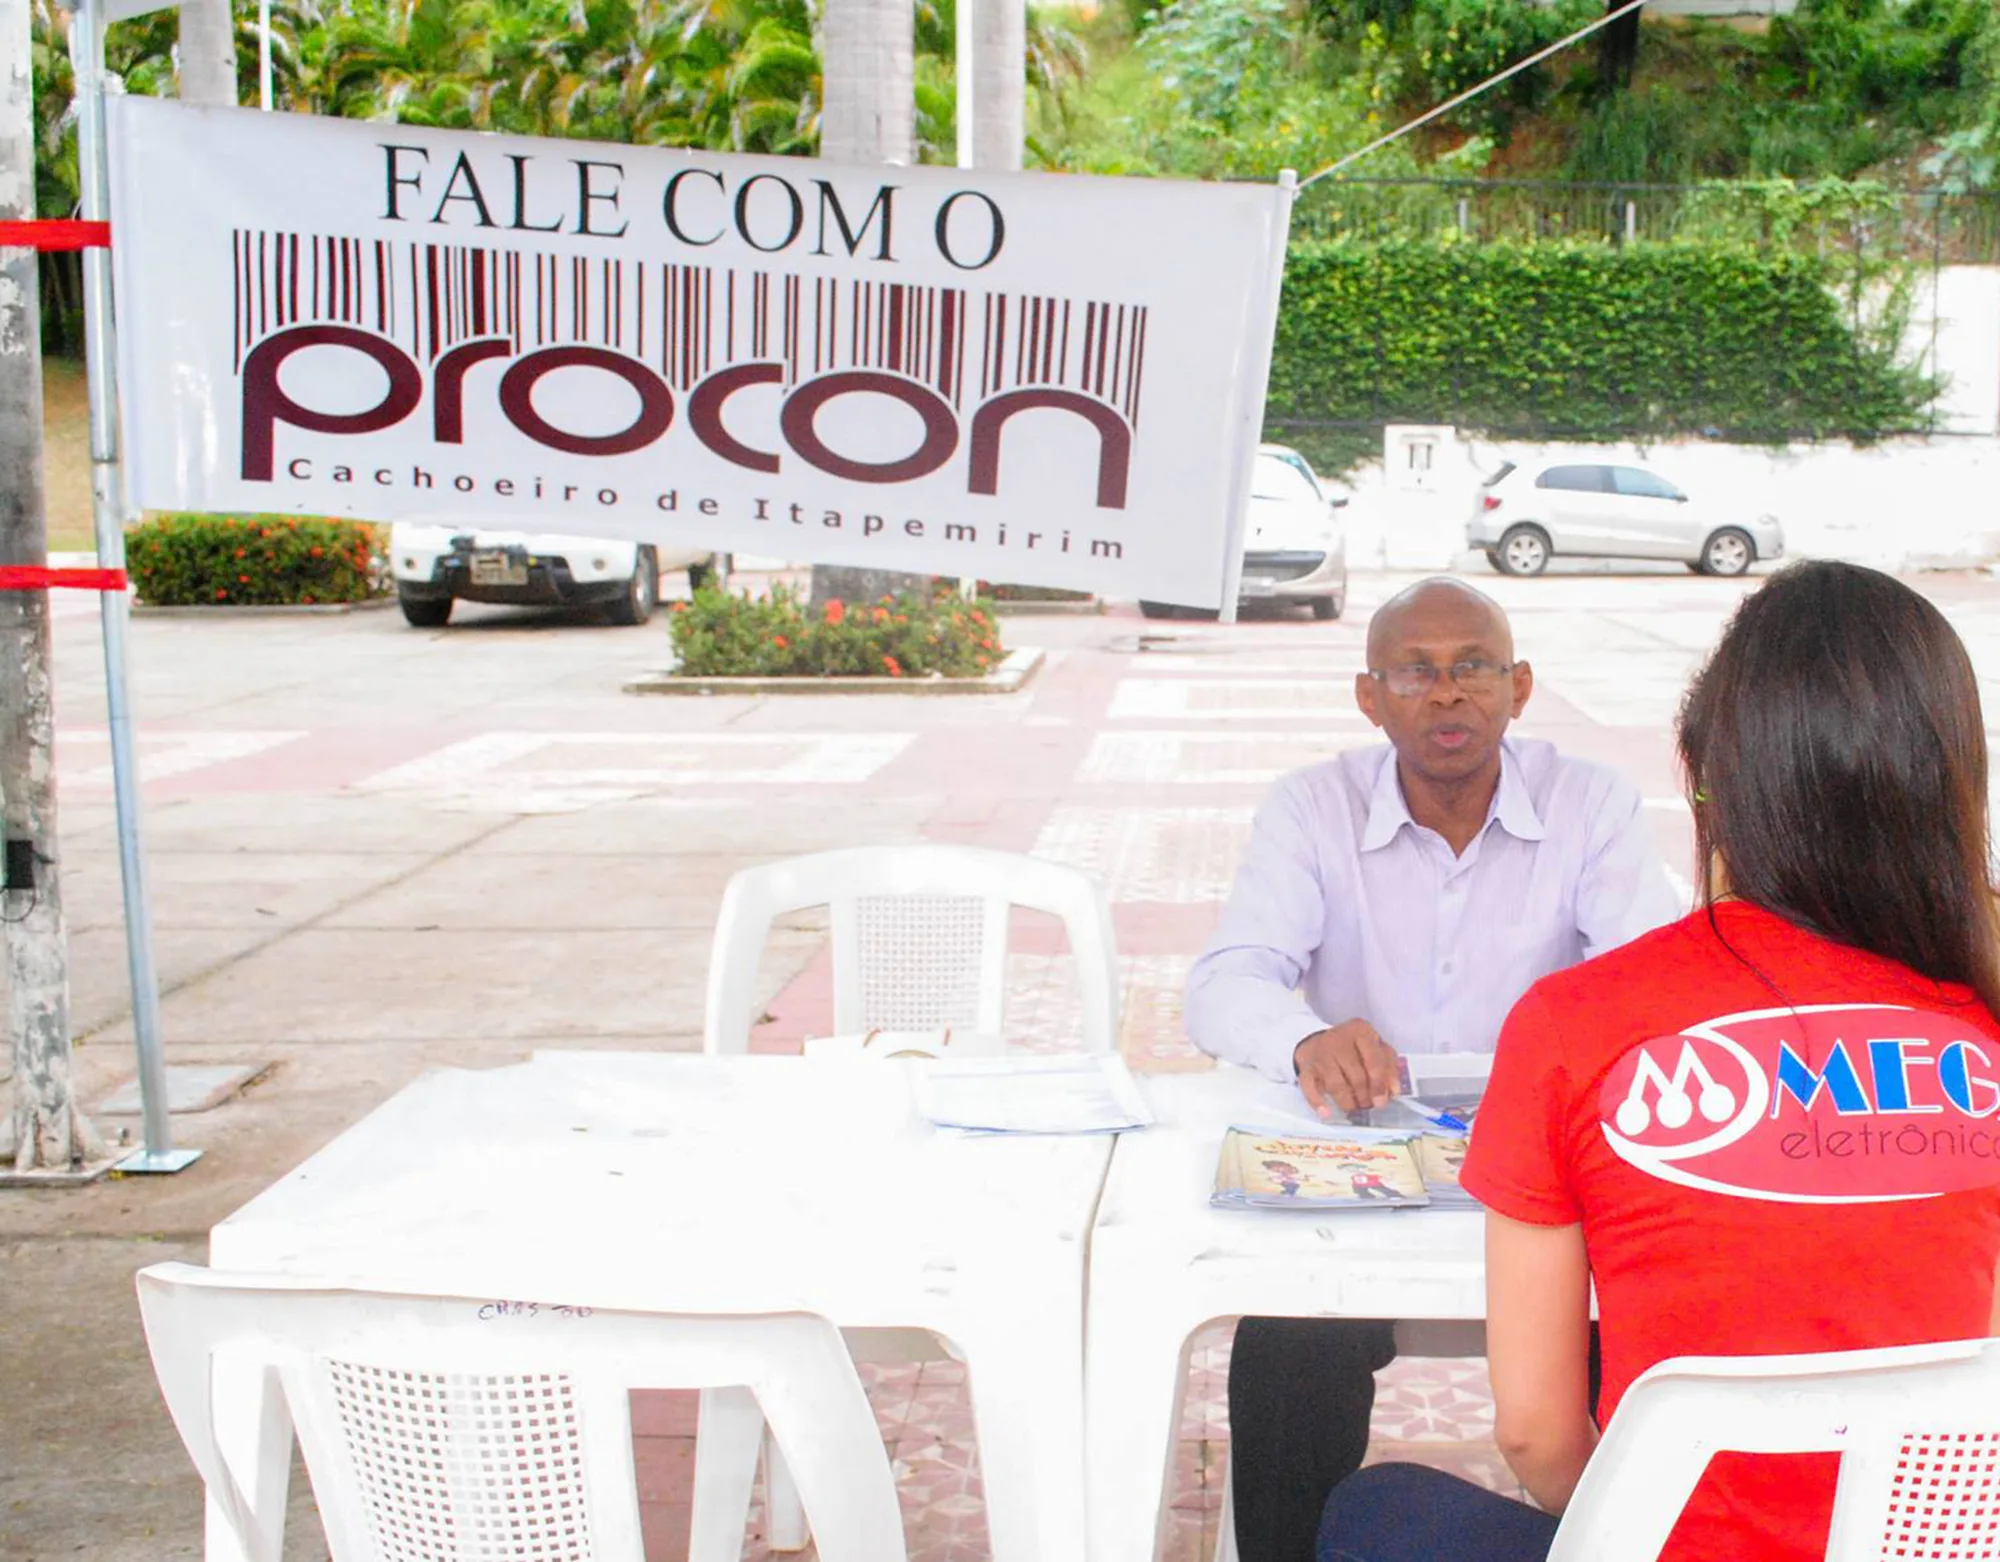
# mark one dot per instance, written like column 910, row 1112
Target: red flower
column 779, row 641
column 318, row 551
column 307, row 600
column 836, row 611
column 895, row 670
column 986, row 644
column 220, row 593
column 243, row 553
column 881, row 615
column 243, row 580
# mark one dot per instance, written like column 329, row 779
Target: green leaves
column 239, row 560
column 1582, row 341
column 912, row 636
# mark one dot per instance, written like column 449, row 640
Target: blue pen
column 1436, row 1119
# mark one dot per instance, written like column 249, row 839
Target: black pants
column 1300, row 1394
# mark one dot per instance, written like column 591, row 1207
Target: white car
column 1524, row 516
column 437, row 562
column 1295, row 547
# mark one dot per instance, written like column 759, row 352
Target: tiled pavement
column 486, row 789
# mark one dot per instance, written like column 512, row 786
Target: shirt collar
column 1511, row 806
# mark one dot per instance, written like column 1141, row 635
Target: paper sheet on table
column 1092, row 1094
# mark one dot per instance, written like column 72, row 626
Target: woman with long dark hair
column 1766, row 1128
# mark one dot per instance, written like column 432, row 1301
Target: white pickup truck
column 436, row 562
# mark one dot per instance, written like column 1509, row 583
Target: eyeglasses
column 1472, row 677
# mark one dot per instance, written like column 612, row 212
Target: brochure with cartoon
column 1439, row 1157
column 1354, row 1169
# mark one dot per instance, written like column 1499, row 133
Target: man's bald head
column 1441, row 607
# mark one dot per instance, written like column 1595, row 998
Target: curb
column 1010, row 676
column 262, row 609
column 1031, row 608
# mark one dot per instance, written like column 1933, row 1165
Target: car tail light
column 1489, row 503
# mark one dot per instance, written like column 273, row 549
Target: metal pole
column 962, row 52
column 1263, row 331
column 264, row 55
column 86, row 49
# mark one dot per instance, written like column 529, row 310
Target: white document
column 1071, row 1094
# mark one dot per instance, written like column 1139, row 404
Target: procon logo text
column 444, row 385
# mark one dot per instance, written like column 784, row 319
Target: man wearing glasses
column 1399, row 898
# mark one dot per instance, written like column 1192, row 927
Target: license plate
column 1258, row 586
column 497, row 569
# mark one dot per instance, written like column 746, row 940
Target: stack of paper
column 1092, row 1093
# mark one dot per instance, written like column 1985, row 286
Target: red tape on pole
column 55, row 233
column 35, row 577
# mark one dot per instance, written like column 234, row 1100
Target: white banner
column 1023, row 377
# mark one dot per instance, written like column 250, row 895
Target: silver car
column 1524, row 516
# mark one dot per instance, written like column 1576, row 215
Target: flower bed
column 250, row 560
column 718, row 635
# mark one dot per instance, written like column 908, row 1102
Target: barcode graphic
column 688, row 321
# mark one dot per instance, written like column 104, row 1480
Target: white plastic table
column 1162, row 1264
column 674, row 1183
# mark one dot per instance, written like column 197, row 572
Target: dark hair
column 1836, row 751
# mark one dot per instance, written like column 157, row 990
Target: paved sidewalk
column 376, row 850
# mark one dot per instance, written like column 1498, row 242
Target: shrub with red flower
column 718, row 635
column 190, row 559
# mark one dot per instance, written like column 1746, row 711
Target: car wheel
column 1327, row 607
column 1159, row 610
column 1493, row 558
column 642, row 592
column 1728, row 552
column 1523, row 551
column 714, row 571
column 424, row 612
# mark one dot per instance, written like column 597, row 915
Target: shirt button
column 1445, row 969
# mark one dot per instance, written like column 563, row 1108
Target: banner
column 1037, row 378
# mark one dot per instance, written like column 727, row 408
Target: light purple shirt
column 1346, row 908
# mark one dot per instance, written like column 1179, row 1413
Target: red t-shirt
column 1775, row 1144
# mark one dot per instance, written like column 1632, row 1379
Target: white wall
column 1902, row 504
column 1955, row 330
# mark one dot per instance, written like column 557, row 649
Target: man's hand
column 1348, row 1066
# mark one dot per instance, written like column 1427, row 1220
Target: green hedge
column 1581, row 341
column 242, row 560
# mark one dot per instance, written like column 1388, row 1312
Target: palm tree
column 208, row 52
column 869, row 50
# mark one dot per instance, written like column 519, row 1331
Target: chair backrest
column 492, row 1431
column 1917, row 1429
column 943, row 1043
column 919, row 938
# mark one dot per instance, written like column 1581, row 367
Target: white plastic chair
column 466, row 1432
column 919, row 938
column 919, row 950
column 1917, row 1429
